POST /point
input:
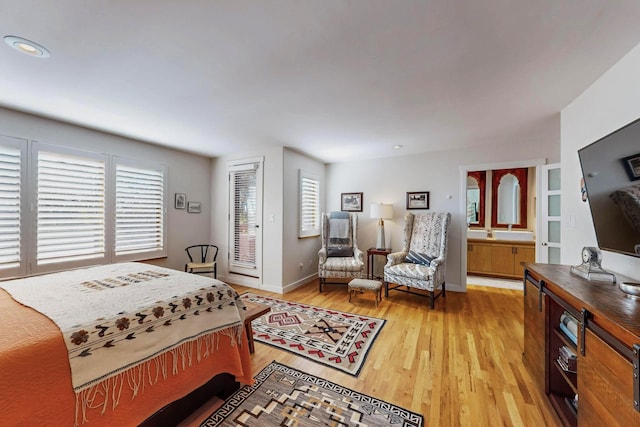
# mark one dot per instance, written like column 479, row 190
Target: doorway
column 464, row 210
column 245, row 214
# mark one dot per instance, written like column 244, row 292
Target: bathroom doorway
column 484, row 241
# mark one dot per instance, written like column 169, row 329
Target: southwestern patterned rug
column 333, row 338
column 283, row 396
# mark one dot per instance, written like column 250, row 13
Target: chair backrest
column 339, row 231
column 202, row 253
column 426, row 233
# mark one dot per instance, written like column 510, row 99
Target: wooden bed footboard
column 222, row 386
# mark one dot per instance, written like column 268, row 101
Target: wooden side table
column 371, row 253
column 254, row 310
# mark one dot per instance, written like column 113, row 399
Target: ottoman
column 360, row 285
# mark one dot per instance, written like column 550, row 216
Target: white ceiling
column 336, row 79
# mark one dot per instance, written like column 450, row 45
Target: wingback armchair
column 422, row 262
column 339, row 256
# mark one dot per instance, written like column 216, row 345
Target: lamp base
column 380, row 241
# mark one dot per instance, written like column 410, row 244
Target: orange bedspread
column 35, row 378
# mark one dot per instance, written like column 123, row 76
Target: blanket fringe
column 108, row 392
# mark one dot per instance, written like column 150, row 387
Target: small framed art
column 417, row 200
column 632, row 166
column 194, row 207
column 351, row 202
column 180, row 201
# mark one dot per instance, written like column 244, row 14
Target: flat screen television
column 611, row 171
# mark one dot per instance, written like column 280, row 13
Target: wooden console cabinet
column 498, row 258
column 607, row 378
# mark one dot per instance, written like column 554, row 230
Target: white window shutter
column 309, row 221
column 244, row 217
column 140, row 205
column 70, row 208
column 10, row 212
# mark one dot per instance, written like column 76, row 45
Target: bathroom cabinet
column 498, row 258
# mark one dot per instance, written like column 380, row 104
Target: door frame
column 463, row 201
column 249, row 280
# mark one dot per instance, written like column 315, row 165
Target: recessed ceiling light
column 397, row 147
column 27, row 47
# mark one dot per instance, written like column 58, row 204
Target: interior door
column 245, row 214
column 548, row 239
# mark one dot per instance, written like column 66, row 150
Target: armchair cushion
column 412, row 271
column 339, row 251
column 418, row 258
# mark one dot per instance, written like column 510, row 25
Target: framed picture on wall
column 632, row 166
column 194, row 207
column 417, row 200
column 351, row 202
column 181, row 201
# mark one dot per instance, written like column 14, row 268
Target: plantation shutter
column 70, row 208
column 309, row 220
column 10, row 197
column 244, row 217
column 139, row 210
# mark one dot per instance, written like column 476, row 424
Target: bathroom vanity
column 499, row 258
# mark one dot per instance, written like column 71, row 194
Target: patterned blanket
column 118, row 317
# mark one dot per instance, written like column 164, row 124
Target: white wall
column 299, row 256
column 282, row 251
column 188, row 173
column 607, row 105
column 388, row 180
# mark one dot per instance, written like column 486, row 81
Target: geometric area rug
column 330, row 337
column 283, row 396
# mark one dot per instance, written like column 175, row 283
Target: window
column 244, row 216
column 70, row 196
column 83, row 208
column 309, row 221
column 140, row 211
column 11, row 177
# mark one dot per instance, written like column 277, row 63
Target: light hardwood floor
column 458, row 365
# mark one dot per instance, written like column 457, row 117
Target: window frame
column 22, row 146
column 313, row 231
column 141, row 165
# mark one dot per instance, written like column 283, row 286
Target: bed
column 114, row 344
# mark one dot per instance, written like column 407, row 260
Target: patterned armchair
column 422, row 262
column 339, row 256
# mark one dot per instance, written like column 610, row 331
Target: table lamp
column 381, row 211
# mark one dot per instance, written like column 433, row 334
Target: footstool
column 359, row 285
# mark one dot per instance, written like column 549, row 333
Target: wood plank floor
column 458, row 365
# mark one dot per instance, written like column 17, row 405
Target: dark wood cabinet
column 606, row 378
column 535, row 303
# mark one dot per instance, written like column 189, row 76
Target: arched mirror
column 509, row 198
column 476, row 184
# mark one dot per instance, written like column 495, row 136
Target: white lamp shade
column 381, row 211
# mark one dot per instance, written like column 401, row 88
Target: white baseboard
column 455, row 287
column 298, row 283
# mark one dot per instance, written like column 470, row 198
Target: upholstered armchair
column 422, row 262
column 339, row 256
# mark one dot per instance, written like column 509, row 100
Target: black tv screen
column 611, row 170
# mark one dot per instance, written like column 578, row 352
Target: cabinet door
column 478, row 258
column 502, row 260
column 605, row 386
column 523, row 254
column 534, row 333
